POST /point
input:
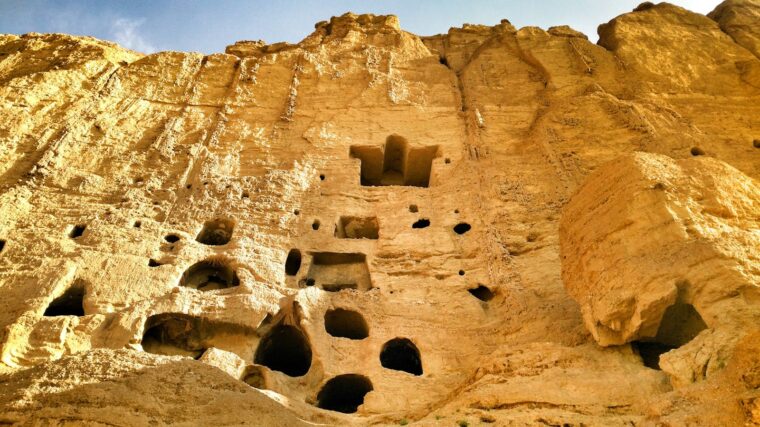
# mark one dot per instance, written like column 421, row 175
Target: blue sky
column 209, row 26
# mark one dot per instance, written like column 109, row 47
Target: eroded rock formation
column 696, row 271
column 364, row 227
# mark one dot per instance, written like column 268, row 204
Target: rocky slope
column 492, row 225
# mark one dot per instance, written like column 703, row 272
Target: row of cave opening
column 286, row 349
column 218, row 232
column 680, row 324
column 349, row 227
column 332, row 272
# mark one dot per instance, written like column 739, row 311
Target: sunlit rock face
column 493, row 225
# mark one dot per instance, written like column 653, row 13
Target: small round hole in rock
column 296, row 212
column 315, row 225
column 461, row 272
column 447, row 161
column 322, row 177
column 413, row 208
column 153, row 263
column 422, row 223
column 344, row 323
column 696, row 151
column 171, row 238
column 344, row 393
column 482, row 293
column 401, row 354
column 293, row 262
column 285, row 349
column 209, row 275
column 462, row 228
column 137, row 224
column 756, row 143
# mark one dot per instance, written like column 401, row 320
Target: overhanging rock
column 646, row 232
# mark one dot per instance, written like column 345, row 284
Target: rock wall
column 364, row 227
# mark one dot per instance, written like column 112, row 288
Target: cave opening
column 680, row 324
column 344, row 323
column 395, row 163
column 293, row 262
column 70, row 303
column 482, row 293
column 344, row 393
column 171, row 238
column 209, row 275
column 335, row 271
column 401, row 354
column 696, row 151
column 285, row 349
column 422, row 223
column 173, row 334
column 462, row 228
column 216, row 232
column 77, row 231
column 351, row 227
column 2, row 245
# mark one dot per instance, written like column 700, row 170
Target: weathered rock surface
column 701, row 219
column 368, row 222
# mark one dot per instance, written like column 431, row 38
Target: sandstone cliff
column 492, row 225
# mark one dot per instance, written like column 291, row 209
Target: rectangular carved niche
column 395, row 163
column 334, row 271
column 352, row 227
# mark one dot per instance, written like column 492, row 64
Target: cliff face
column 365, row 227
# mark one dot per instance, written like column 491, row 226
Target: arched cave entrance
column 401, row 354
column 344, row 323
column 210, row 275
column 680, row 324
column 285, row 349
column 344, row 393
column 173, row 334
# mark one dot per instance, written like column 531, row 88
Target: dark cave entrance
column 680, row 324
column 344, row 393
column 401, row 354
column 285, row 349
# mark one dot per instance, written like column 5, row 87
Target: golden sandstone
column 489, row 226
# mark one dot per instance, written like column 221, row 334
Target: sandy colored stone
column 701, row 216
column 125, row 177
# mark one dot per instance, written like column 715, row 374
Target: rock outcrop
column 364, row 227
column 659, row 250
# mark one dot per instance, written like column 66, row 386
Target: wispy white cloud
column 126, row 32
